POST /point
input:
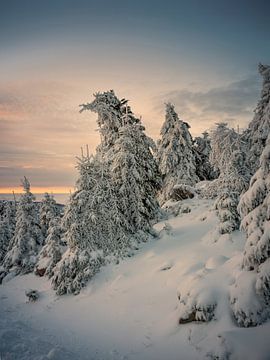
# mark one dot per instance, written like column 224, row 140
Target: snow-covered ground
column 131, row 310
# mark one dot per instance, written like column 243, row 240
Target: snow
column 131, row 310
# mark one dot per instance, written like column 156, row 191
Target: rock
column 182, row 192
column 32, row 295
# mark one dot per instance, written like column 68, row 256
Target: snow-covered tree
column 135, row 177
column 25, row 244
column 226, row 143
column 232, row 184
column 52, row 251
column 226, row 206
column 94, row 228
column 223, row 142
column 259, row 128
column 48, row 210
column 110, row 112
column 7, row 227
column 128, row 152
column 175, row 154
column 202, row 147
column 254, row 208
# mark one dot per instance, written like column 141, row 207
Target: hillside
column 131, row 310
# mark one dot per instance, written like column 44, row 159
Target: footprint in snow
column 166, row 266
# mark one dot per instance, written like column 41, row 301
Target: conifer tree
column 259, row 128
column 175, row 154
column 27, row 238
column 254, row 208
column 110, row 111
column 202, row 147
column 223, row 141
column 232, row 184
column 128, row 152
column 48, row 211
column 7, row 227
column 94, row 228
column 52, row 251
column 135, row 176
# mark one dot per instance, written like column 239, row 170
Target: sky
column 200, row 55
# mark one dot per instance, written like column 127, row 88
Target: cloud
column 41, row 132
column 10, row 176
column 233, row 103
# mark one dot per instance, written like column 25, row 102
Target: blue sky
column 202, row 55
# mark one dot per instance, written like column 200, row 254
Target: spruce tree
column 51, row 252
column 48, row 210
column 232, row 183
column 110, row 111
column 7, row 227
column 254, row 207
column 259, row 128
column 202, row 147
column 135, row 177
column 94, row 228
column 128, row 153
column 27, row 239
column 175, row 154
column 223, row 141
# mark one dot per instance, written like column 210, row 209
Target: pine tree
column 254, row 208
column 232, row 184
column 51, row 252
column 7, row 227
column 135, row 177
column 27, row 238
column 202, row 147
column 175, row 154
column 110, row 112
column 259, row 128
column 128, row 152
column 94, row 228
column 48, row 211
column 224, row 141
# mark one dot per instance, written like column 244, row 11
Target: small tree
column 48, row 211
column 202, row 147
column 250, row 302
column 52, row 251
column 27, row 238
column 224, row 141
column 232, row 184
column 94, row 228
column 175, row 154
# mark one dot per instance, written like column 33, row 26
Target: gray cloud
column 233, row 103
